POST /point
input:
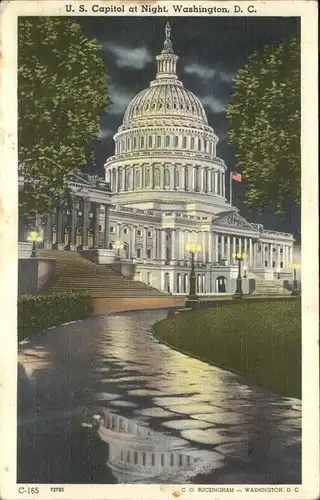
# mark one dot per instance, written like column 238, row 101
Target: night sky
column 211, row 51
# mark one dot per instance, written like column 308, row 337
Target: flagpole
column 230, row 188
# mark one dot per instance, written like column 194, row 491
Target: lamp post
column 295, row 290
column 34, row 236
column 118, row 245
column 239, row 257
column 278, row 273
column 193, row 298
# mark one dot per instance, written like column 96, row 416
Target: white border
column 8, row 249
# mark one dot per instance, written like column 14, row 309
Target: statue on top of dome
column 167, row 43
column 167, row 30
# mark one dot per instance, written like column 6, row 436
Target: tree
column 62, row 90
column 264, row 116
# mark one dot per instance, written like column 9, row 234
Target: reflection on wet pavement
column 164, row 403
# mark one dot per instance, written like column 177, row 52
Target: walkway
column 112, row 365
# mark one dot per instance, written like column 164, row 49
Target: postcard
column 159, row 250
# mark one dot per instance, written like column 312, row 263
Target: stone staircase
column 267, row 287
column 73, row 272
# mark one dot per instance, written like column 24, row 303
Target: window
column 141, row 142
column 166, row 177
column 192, row 143
column 139, row 232
column 149, row 234
column 152, row 459
column 135, row 457
column 139, row 253
column 144, row 459
column 171, row 459
column 281, row 264
column 157, row 177
column 162, row 459
column 158, row 141
column 265, row 263
column 273, row 264
column 150, row 141
column 149, row 254
column 148, row 177
column 185, row 178
column 134, row 143
column 206, row 147
column 125, row 231
column 112, row 230
column 176, row 141
column 199, row 144
column 128, row 456
column 121, row 454
column 128, row 144
column 184, row 142
column 167, row 141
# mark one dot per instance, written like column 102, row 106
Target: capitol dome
column 166, row 95
column 163, row 99
column 165, row 149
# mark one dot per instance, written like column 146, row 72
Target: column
column 145, row 243
column 222, row 247
column 216, row 257
column 117, row 179
column 173, row 244
column 223, row 185
column 85, row 223
column 172, row 177
column 204, row 247
column 133, row 173
column 162, row 176
column 163, row 244
column 234, row 247
column 210, row 246
column 229, row 249
column 216, row 182
column 263, row 253
column 133, row 242
column 250, row 252
column 278, row 257
column 73, row 222
column 106, row 227
column 240, row 244
column 290, row 255
column 183, row 244
column 96, row 223
column 271, row 255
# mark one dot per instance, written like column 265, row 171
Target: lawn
column 261, row 341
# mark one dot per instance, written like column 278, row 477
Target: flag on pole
column 236, row 176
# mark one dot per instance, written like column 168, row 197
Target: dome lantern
column 167, row 60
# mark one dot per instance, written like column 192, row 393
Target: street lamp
column 295, row 290
column 34, row 236
column 193, row 298
column 118, row 245
column 239, row 257
column 278, row 273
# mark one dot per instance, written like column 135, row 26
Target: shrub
column 39, row 311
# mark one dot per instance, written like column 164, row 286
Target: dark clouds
column 210, row 50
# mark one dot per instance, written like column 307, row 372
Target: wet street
column 102, row 401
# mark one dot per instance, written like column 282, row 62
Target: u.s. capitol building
column 168, row 186
column 165, row 188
